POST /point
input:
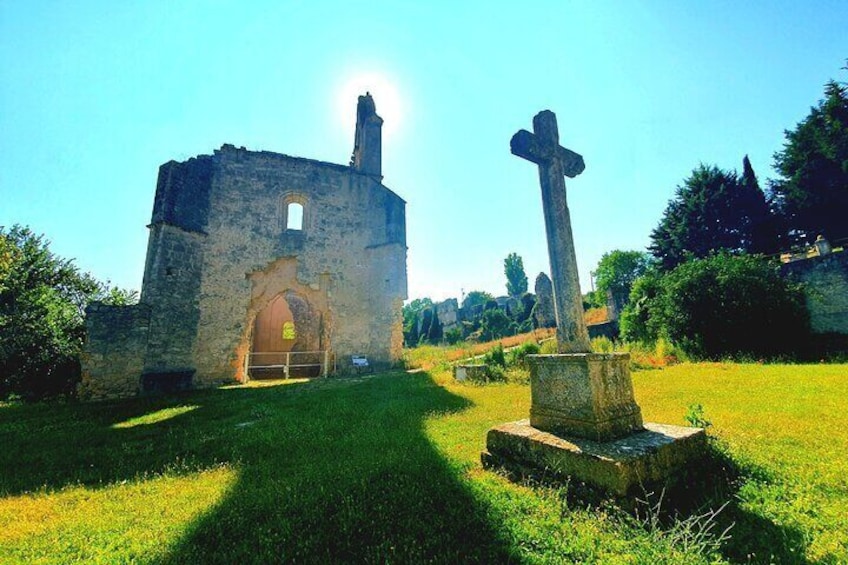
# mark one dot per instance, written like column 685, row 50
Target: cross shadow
column 328, row 471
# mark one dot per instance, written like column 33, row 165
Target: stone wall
column 223, row 246
column 116, row 344
column 350, row 257
column 825, row 281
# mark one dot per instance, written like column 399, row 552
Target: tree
column 476, row 298
column 617, row 271
column 812, row 193
column 720, row 305
column 495, row 324
column 411, row 319
column 434, row 334
column 516, row 278
column 764, row 225
column 712, row 210
column 426, row 322
column 42, row 309
column 640, row 320
column 528, row 301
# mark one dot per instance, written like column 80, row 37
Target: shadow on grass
column 329, row 471
column 680, row 509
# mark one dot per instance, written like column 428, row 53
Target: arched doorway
column 286, row 339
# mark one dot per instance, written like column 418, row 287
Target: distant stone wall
column 116, row 344
column 825, row 281
column 448, row 312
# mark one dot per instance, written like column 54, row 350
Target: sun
column 386, row 98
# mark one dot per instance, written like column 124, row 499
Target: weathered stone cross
column 542, row 147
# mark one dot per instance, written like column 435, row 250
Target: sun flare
column 386, row 98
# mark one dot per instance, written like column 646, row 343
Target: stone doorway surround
column 307, row 303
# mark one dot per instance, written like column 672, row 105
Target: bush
column 42, row 303
column 453, row 336
column 722, row 305
column 495, row 324
column 495, row 356
column 602, row 344
column 517, row 357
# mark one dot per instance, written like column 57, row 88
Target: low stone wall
column 471, row 373
column 825, row 280
column 113, row 358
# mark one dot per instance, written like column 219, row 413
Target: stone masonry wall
column 116, row 343
column 825, row 281
column 351, row 248
column 172, row 288
column 220, row 250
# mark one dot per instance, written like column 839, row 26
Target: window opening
column 294, row 216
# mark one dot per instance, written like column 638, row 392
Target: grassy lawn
column 386, row 469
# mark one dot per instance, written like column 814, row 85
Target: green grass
column 386, row 469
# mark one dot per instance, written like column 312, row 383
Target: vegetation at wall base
column 386, row 469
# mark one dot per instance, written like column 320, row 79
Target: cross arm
column 528, row 146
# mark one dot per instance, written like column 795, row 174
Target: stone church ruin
column 259, row 264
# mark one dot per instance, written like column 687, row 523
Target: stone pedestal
column 588, row 395
column 585, row 424
column 624, row 467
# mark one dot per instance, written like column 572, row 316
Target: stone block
column 587, row 395
column 473, row 373
column 648, row 459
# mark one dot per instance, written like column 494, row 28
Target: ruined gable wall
column 352, row 248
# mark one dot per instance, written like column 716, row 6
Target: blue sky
column 96, row 95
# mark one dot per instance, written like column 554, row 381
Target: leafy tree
column 453, row 336
column 640, row 320
column 617, row 271
column 412, row 318
column 712, row 210
column 475, row 298
column 42, row 309
column 516, row 278
column 812, row 193
column 115, row 296
column 720, row 305
column 495, row 324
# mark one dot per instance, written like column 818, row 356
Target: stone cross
column 542, row 147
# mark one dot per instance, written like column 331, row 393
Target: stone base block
column 587, row 395
column 622, row 467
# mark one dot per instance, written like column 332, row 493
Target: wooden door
column 274, row 330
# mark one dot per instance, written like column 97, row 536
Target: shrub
column 495, row 356
column 602, row 344
column 453, row 336
column 517, row 357
column 722, row 305
column 495, row 324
